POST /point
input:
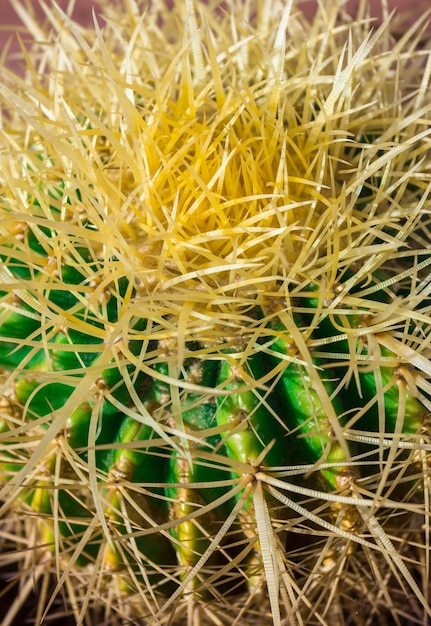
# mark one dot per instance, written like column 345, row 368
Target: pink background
column 83, row 8
column 8, row 17
column 9, row 21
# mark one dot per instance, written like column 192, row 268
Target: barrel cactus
column 215, row 319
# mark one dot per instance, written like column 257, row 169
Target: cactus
column 214, row 319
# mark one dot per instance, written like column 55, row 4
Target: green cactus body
column 214, row 321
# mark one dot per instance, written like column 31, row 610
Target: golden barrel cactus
column 215, row 319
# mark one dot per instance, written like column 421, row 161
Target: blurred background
column 81, row 10
column 11, row 26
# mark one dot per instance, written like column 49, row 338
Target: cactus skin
column 214, row 321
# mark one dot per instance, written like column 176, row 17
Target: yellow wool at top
column 215, row 318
